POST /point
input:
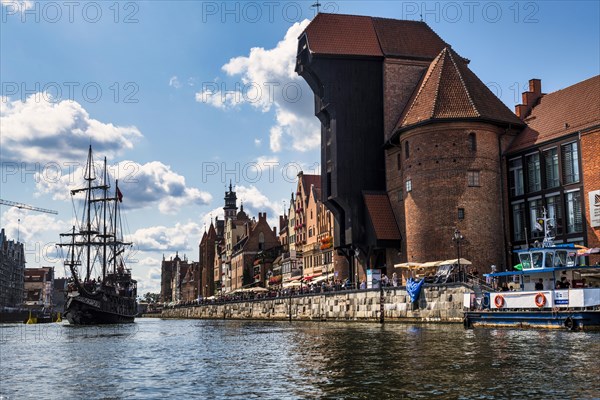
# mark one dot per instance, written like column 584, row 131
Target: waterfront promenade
column 436, row 303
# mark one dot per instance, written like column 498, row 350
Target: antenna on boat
column 548, row 238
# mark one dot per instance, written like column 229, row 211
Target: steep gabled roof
column 407, row 39
column 561, row 113
column 308, row 180
column 382, row 216
column 450, row 90
column 338, row 34
column 356, row 35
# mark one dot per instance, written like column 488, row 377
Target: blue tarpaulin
column 413, row 288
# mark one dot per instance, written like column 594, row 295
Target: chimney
column 529, row 98
column 275, row 231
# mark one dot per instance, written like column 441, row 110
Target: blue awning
column 531, row 271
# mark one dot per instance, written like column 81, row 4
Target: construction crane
column 26, row 207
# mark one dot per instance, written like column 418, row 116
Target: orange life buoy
column 540, row 300
column 499, row 301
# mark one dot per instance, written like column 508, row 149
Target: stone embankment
column 435, row 304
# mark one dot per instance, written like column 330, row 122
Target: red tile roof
column 308, row 180
column 561, row 113
column 413, row 39
column 356, row 35
column 338, row 34
column 382, row 216
column 449, row 89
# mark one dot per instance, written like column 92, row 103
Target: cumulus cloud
column 255, row 201
column 17, row 5
column 180, row 237
column 40, row 130
column 268, row 81
column 142, row 185
column 29, row 226
column 174, row 82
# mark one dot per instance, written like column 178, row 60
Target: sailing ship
column 101, row 289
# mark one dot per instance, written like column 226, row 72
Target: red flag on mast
column 119, row 195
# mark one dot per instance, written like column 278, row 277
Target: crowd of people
column 305, row 288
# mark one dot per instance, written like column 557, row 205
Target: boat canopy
column 580, row 268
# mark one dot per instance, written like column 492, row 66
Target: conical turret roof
column 450, row 90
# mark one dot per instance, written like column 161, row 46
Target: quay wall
column 435, row 304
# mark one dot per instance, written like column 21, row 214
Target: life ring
column 499, row 301
column 569, row 323
column 540, row 300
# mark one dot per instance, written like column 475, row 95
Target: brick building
column 258, row 237
column 432, row 143
column 39, row 287
column 208, row 248
column 172, row 277
column 554, row 165
column 12, row 267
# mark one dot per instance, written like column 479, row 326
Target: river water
column 185, row 359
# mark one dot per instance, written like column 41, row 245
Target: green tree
column 151, row 297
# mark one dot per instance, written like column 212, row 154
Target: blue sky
column 183, row 96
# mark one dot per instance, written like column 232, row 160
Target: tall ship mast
column 101, row 289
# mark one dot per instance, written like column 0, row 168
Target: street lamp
column 457, row 237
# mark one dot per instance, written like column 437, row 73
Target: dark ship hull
column 83, row 309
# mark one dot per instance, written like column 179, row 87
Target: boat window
column 560, row 258
column 571, row 258
column 536, row 259
column 525, row 260
column 548, row 262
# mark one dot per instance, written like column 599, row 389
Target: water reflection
column 245, row 359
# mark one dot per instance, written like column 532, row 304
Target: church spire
column 230, row 208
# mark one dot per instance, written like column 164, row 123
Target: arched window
column 472, row 142
column 261, row 241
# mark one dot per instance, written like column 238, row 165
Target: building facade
column 438, row 152
column 554, row 166
column 12, row 272
column 39, row 287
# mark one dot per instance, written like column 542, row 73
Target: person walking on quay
column 395, row 279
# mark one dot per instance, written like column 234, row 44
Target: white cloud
column 17, row 5
column 168, row 239
column 268, row 81
column 255, row 201
column 29, row 226
column 142, row 185
column 257, row 142
column 174, row 82
column 40, row 130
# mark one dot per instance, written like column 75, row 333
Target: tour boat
column 542, row 298
column 100, row 289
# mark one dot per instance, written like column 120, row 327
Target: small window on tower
column 473, row 178
column 399, row 160
column 461, row 214
column 406, row 150
column 472, row 142
column 408, row 185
